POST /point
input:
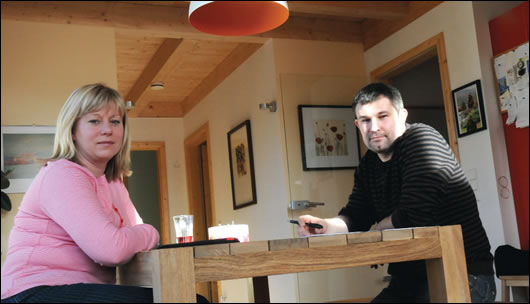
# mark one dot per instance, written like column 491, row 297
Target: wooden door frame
column 194, row 183
column 160, row 148
column 190, row 145
column 426, row 50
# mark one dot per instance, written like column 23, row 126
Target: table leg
column 261, row 289
column 447, row 276
column 174, row 275
column 505, row 292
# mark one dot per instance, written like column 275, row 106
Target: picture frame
column 328, row 137
column 469, row 109
column 241, row 161
column 24, row 149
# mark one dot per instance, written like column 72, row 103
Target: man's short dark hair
column 374, row 91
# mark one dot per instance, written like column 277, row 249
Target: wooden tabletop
column 173, row 272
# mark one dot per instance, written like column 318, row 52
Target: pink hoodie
column 72, row 227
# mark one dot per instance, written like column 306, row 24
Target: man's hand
column 304, row 230
column 329, row 225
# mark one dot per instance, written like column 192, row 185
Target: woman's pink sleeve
column 69, row 197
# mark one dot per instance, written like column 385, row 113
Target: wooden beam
column 375, row 31
column 314, row 28
column 162, row 109
column 385, row 10
column 165, row 21
column 158, row 60
column 223, row 70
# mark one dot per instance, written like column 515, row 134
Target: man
column 409, row 177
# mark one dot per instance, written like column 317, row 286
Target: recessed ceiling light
column 157, row 86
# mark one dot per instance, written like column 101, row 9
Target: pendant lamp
column 237, row 18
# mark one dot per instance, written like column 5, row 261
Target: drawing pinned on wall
column 511, row 70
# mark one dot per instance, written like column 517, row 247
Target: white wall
column 41, row 65
column 484, row 11
column 235, row 100
column 457, row 21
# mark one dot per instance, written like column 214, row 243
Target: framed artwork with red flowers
column 328, row 137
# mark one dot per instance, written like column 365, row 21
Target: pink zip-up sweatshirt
column 72, row 227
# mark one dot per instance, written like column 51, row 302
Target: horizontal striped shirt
column 421, row 185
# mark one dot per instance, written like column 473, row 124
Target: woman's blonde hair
column 83, row 100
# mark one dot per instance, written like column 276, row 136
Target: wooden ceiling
column 155, row 42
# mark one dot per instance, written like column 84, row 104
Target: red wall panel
column 508, row 31
column 517, row 146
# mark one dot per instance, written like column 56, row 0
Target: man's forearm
column 385, row 223
column 336, row 225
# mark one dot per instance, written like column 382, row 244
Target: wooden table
column 173, row 272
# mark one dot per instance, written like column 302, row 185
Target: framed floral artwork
column 242, row 166
column 328, row 137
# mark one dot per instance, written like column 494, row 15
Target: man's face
column 380, row 124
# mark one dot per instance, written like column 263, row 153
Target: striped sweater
column 422, row 185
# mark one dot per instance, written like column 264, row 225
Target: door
column 200, row 195
column 143, row 187
column 427, row 50
column 331, row 187
column 148, row 163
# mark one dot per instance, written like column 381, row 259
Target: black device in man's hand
column 312, row 225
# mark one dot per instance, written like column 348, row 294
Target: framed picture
column 242, row 166
column 23, row 149
column 469, row 109
column 328, row 137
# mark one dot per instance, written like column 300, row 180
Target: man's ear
column 356, row 123
column 403, row 115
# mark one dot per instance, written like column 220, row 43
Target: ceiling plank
column 321, row 29
column 375, row 31
column 159, row 59
column 223, row 70
column 164, row 21
column 162, row 109
column 351, row 9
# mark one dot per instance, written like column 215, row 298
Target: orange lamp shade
column 237, row 18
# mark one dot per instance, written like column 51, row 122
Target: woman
column 76, row 222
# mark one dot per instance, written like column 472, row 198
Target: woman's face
column 98, row 137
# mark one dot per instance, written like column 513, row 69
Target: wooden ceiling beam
column 223, row 70
column 166, row 21
column 162, row 109
column 159, row 59
column 317, row 29
column 386, row 10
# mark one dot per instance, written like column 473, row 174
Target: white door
column 331, row 187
